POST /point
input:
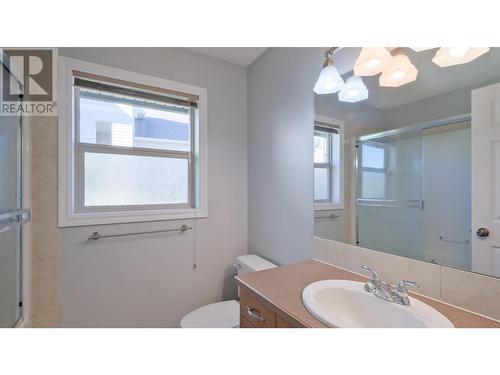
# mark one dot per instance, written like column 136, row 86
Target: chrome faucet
column 401, row 291
column 382, row 289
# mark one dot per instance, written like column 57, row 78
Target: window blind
column 326, row 127
column 120, row 87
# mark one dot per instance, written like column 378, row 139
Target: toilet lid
column 216, row 315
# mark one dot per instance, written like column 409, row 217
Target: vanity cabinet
column 256, row 313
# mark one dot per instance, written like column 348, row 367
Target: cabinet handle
column 255, row 314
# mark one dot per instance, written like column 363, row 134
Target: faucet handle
column 401, row 288
column 374, row 275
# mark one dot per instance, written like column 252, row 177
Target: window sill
column 328, row 206
column 120, row 217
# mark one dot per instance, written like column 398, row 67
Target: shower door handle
column 7, row 219
column 483, row 232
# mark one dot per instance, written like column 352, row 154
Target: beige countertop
column 282, row 289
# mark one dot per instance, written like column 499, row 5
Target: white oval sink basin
column 345, row 304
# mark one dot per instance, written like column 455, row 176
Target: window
column 136, row 149
column 131, row 152
column 328, row 169
column 373, row 170
column 323, row 167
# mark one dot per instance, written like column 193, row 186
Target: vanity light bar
column 396, row 67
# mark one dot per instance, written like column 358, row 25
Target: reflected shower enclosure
column 413, row 195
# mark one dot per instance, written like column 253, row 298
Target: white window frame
column 70, row 213
column 336, row 201
column 382, row 171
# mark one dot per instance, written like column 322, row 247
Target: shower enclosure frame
column 26, row 253
column 25, row 318
column 373, row 136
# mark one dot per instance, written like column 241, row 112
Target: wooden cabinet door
column 244, row 323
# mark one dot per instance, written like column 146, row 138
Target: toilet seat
column 216, row 315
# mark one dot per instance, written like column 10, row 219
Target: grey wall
column 280, row 151
column 437, row 107
column 149, row 281
column 358, row 117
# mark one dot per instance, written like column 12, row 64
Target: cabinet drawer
column 253, row 310
column 282, row 323
column 244, row 323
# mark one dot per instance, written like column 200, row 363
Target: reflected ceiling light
column 421, row 49
column 353, row 91
column 449, row 56
column 401, row 72
column 329, row 80
column 371, row 61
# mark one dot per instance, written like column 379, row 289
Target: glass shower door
column 11, row 219
column 389, row 195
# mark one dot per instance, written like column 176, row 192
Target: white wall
column 280, row 152
column 149, row 281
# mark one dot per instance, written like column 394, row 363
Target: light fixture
column 329, row 80
column 401, row 72
column 353, row 91
column 449, row 56
column 371, row 61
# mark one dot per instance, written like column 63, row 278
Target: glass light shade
column 353, row 91
column 449, row 56
column 329, row 81
column 371, row 61
column 401, row 72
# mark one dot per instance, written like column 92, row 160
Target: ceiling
column 432, row 80
column 242, row 56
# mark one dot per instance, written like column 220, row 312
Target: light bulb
column 398, row 74
column 458, row 51
column 329, row 81
column 449, row 56
column 353, row 91
column 372, row 63
column 401, row 72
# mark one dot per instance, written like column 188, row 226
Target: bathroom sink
column 345, row 304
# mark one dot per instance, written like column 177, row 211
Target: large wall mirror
column 407, row 155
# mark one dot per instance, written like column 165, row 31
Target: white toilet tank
column 252, row 263
column 225, row 314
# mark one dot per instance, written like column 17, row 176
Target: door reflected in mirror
column 404, row 177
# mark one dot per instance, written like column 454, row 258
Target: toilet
column 225, row 314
